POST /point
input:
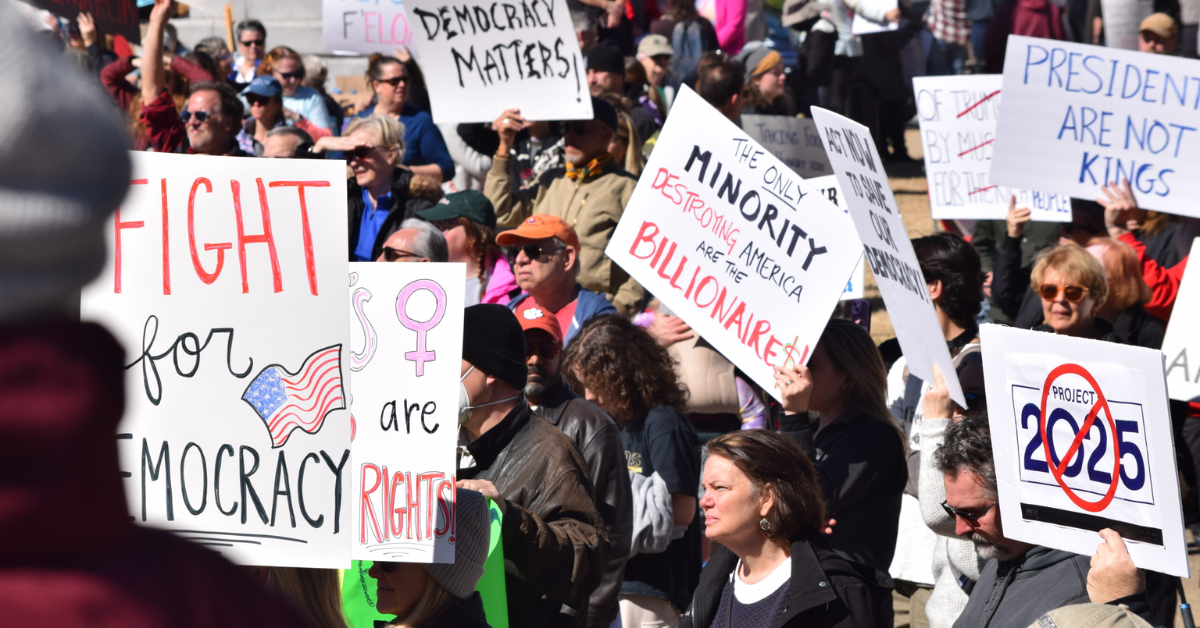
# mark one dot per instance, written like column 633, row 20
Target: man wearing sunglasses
column 545, row 261
column 596, row 437
column 416, row 241
column 590, row 194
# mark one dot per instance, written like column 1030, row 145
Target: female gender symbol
column 421, row 355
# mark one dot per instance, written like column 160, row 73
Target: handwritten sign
column 1077, row 117
column 746, row 252
column 1081, row 436
column 114, row 17
column 406, row 350
column 1183, row 366
column 225, row 284
column 828, row 187
column 888, row 249
column 793, row 140
column 958, row 116
column 366, row 26
column 495, row 55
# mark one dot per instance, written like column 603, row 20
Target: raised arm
column 154, row 76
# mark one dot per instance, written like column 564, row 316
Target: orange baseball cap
column 537, row 318
column 540, row 227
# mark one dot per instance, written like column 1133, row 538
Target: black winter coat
column 404, row 206
column 826, row 590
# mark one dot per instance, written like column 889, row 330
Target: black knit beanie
column 494, row 343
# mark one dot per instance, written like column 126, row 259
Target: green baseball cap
column 469, row 204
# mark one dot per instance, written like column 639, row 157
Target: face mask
column 464, row 400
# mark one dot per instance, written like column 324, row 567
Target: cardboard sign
column 495, row 55
column 958, row 116
column 406, row 350
column 1121, row 21
column 1082, row 441
column 730, row 239
column 225, row 284
column 113, row 17
column 365, row 27
column 1183, row 368
column 793, row 140
column 1076, row 117
column 885, row 241
column 829, row 188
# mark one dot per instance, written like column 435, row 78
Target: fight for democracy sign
column 1077, row 117
column 750, row 255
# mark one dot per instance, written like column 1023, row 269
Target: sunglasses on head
column 534, row 251
column 394, row 81
column 971, row 517
column 255, row 42
column 545, row 350
column 1049, row 292
column 255, row 99
column 395, row 255
column 291, row 76
column 201, row 116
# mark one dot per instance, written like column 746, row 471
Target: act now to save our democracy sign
column 1076, row 117
column 958, row 116
column 495, row 55
column 729, row 238
column 226, row 285
column 876, row 218
column 1081, row 436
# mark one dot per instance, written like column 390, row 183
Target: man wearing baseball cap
column 596, row 437
column 590, row 194
column 546, row 265
column 1158, row 34
column 606, row 73
column 655, row 52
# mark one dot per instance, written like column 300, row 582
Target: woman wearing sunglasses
column 1072, row 287
column 267, row 112
column 287, row 67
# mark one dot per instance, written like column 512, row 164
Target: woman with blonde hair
column 287, row 66
column 314, row 592
column 1072, row 287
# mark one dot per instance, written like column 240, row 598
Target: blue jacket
column 423, row 142
column 587, row 305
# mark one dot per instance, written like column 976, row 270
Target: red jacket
column 112, row 76
column 1163, row 282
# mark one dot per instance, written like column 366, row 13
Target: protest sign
column 225, row 284
column 1183, row 370
column 1076, row 117
column 406, row 350
column 828, row 187
column 793, row 140
column 366, row 26
column 885, row 240
column 860, row 25
column 113, row 17
column 500, row 54
column 958, row 117
column 1082, row 441
column 1121, row 21
column 729, row 238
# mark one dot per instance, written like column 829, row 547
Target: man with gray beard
column 1020, row 581
column 598, row 440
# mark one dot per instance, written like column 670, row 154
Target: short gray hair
column 429, row 243
column 211, row 46
column 304, row 141
column 968, row 447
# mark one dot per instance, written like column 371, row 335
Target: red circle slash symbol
column 1057, row 469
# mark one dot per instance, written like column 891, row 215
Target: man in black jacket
column 598, row 440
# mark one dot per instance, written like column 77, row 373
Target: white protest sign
column 1082, row 441
column 829, row 188
column 1121, row 21
column 793, row 140
column 226, row 285
column 1076, row 117
column 1183, row 370
column 494, row 55
column 860, row 25
column 406, row 339
column 366, row 26
column 885, row 240
column 958, row 116
column 731, row 240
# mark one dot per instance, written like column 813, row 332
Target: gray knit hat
column 472, row 532
column 63, row 170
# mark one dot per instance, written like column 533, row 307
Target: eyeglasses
column 544, row 350
column 393, row 255
column 291, row 76
column 578, row 127
column 970, row 517
column 255, row 99
column 254, row 42
column 358, row 153
column 386, row 567
column 534, row 251
column 394, row 81
column 201, row 116
column 1049, row 292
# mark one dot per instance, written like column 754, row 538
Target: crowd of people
column 644, row 480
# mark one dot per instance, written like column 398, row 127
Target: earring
column 764, row 524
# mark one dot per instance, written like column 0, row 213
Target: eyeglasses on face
column 535, row 251
column 577, row 127
column 395, row 255
column 259, row 43
column 545, row 350
column 200, row 116
column 394, row 81
column 970, row 516
column 358, row 153
column 255, row 99
column 291, row 76
column 386, row 567
column 1049, row 292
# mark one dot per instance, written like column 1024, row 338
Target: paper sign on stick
column 114, row 17
column 495, row 56
column 406, row 350
column 958, row 116
column 1082, row 441
column 793, row 140
column 356, row 26
column 1076, row 117
column 226, row 285
column 1182, row 343
column 885, row 240
column 730, row 239
column 828, row 187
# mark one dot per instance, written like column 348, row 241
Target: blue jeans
column 945, row 58
column 978, row 31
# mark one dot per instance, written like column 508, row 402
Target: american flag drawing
column 301, row 400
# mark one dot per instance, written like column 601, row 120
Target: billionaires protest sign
column 958, row 117
column 1183, row 369
column 793, row 140
column 366, row 26
column 406, row 345
column 885, row 240
column 226, row 285
column 1077, row 117
column 1081, row 436
column 730, row 239
column 497, row 55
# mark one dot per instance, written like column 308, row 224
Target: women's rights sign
column 1081, row 437
column 1076, row 117
column 406, row 325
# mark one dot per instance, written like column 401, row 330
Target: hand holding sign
column 795, row 384
column 938, row 404
column 1113, row 575
column 1120, row 208
column 1017, row 217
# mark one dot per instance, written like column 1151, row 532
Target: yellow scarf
column 594, row 168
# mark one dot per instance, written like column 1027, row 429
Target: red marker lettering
column 309, row 258
column 117, row 227
column 267, row 237
column 204, row 276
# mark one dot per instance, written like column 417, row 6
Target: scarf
column 594, row 168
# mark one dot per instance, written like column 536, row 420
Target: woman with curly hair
column 619, row 367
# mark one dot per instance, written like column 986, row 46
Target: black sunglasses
column 255, row 42
column 971, row 517
column 578, row 127
column 393, row 255
column 256, row 99
column 292, row 76
column 544, row 350
column 534, row 251
column 394, row 81
column 201, row 116
column 386, row 567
